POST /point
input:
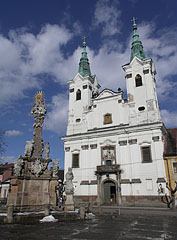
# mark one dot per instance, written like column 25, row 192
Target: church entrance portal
column 109, row 192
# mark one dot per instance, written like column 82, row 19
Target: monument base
column 32, row 194
column 69, row 204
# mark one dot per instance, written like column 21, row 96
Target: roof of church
column 84, row 66
column 137, row 46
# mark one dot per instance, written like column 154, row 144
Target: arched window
column 138, row 80
column 78, row 94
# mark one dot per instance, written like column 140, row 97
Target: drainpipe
column 168, row 174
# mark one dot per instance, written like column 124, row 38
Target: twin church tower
column 115, row 145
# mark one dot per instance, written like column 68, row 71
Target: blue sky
column 40, row 49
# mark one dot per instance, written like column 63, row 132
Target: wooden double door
column 109, row 192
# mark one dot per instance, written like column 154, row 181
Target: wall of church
column 137, row 178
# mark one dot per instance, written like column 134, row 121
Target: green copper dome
column 137, row 46
column 84, row 66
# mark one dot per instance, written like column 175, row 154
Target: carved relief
column 55, row 167
column 28, row 148
column 150, row 105
column 108, row 155
column 38, row 167
column 47, row 150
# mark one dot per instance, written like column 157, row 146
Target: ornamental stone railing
column 108, row 169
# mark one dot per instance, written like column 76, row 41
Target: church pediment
column 106, row 93
column 77, row 78
column 136, row 61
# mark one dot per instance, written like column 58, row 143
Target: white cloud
column 13, row 133
column 107, row 16
column 26, row 57
column 9, row 159
column 56, row 119
column 169, row 118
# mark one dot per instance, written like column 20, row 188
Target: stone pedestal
column 82, row 211
column 69, row 204
column 32, row 194
column 46, row 210
column 9, row 218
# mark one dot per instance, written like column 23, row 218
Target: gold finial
column 39, row 96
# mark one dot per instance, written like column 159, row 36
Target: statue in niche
column 69, row 189
column 28, row 148
column 47, row 150
column 18, row 166
column 108, row 154
column 55, row 168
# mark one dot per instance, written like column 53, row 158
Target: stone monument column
column 38, row 111
column 33, row 185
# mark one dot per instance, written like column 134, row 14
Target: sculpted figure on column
column 38, row 111
column 18, row 166
column 69, row 189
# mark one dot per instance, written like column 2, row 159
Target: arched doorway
column 109, row 192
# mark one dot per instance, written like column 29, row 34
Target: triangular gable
column 106, row 93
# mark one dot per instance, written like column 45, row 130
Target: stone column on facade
column 99, row 192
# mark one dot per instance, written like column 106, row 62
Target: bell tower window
column 138, row 80
column 78, row 94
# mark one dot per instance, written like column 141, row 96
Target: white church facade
column 115, row 145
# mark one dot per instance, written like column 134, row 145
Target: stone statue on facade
column 47, row 150
column 28, row 148
column 69, row 189
column 18, row 166
column 55, row 167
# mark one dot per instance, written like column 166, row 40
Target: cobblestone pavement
column 108, row 227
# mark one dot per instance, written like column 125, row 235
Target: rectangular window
column 129, row 75
column 146, row 71
column 75, row 160
column 71, row 90
column 146, row 154
column 175, row 167
column 107, row 118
